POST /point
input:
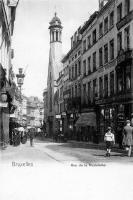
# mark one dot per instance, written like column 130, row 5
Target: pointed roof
column 55, row 21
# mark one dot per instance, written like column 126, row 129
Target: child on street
column 110, row 140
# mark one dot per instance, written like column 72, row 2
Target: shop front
column 124, row 88
column 86, row 127
column 115, row 116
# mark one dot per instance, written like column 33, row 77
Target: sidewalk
column 81, row 144
column 100, row 146
column 87, row 145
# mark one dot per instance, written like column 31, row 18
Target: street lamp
column 20, row 80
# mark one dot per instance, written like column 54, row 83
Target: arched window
column 52, row 36
column 56, row 35
column 60, row 36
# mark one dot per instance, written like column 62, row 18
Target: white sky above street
column 31, row 36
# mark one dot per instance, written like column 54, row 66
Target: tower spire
column 55, row 12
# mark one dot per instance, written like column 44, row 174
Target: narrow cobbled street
column 62, row 153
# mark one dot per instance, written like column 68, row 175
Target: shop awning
column 87, row 119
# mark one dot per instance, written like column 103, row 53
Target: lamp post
column 3, row 105
column 20, row 80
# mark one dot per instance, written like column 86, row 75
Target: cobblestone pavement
column 87, row 154
column 64, row 153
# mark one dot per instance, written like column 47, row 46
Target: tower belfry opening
column 55, row 29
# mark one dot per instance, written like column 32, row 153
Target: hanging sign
column 3, row 104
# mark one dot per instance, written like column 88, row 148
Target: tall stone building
column 105, row 73
column 7, row 18
column 54, row 67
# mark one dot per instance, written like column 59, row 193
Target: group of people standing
column 22, row 136
column 127, row 140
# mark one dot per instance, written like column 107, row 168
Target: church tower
column 56, row 44
column 54, row 67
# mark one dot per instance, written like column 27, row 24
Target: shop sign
column 120, row 117
column 58, row 116
column 12, row 115
column 71, row 116
column 63, row 114
column 3, row 104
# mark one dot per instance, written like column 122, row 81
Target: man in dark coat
column 128, row 137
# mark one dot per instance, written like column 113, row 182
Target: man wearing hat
column 128, row 137
column 109, row 139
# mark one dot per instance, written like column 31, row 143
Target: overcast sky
column 31, row 36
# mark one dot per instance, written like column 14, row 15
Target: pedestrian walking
column 128, row 137
column 110, row 140
column 31, row 135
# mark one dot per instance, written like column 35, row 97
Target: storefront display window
column 128, row 77
column 128, row 82
column 107, row 112
column 107, row 118
column 112, row 113
column 121, row 108
column 120, row 84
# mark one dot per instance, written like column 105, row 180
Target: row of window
column 103, row 87
column 74, row 57
column 75, row 90
column 108, row 51
column 75, row 70
column 120, row 11
column 90, row 89
column 106, row 55
column 126, row 39
column 91, row 40
column 105, row 26
column 123, row 84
